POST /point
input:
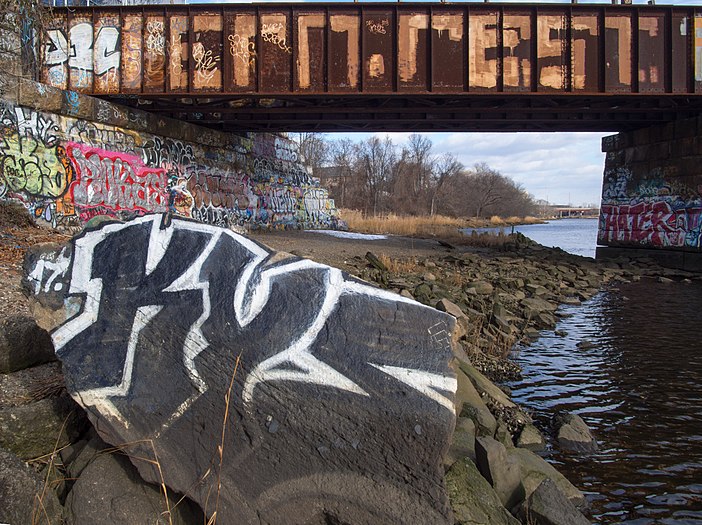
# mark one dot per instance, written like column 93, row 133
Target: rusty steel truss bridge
column 394, row 67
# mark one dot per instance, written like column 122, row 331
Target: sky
column 562, row 168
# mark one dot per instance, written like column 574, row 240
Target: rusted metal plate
column 372, row 49
column 275, row 68
column 178, row 51
column 55, row 53
column 344, row 62
column 155, row 54
column 551, row 48
column 310, row 50
column 585, row 52
column 131, row 53
column 80, row 59
column 378, row 37
column 618, row 52
column 240, row 52
column 516, row 51
column 679, row 58
column 448, row 50
column 413, row 50
column 482, row 49
column 652, row 52
column 206, row 51
column 106, row 51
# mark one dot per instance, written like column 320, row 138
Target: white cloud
column 561, row 167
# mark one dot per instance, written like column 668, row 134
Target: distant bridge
column 569, row 211
column 467, row 66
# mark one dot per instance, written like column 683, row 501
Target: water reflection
column 639, row 387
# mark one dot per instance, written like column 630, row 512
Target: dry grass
column 400, row 266
column 514, row 220
column 220, row 448
column 438, row 226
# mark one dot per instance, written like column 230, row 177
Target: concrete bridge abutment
column 652, row 195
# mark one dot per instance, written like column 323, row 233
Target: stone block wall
column 69, row 157
column 652, row 191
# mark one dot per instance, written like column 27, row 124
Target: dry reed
column 437, row 226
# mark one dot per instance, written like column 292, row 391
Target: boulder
column 574, row 435
column 500, row 469
column 423, row 293
column 444, row 305
column 82, row 458
column 23, row 344
column 538, row 305
column 534, row 469
column 38, row 428
column 36, row 413
column 24, row 497
column 469, row 404
column 462, row 441
column 503, row 435
column 480, row 287
column 484, row 385
column 473, row 500
column 548, row 506
column 324, row 397
column 109, row 491
column 531, row 439
column 536, row 289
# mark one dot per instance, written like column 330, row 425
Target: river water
column 638, row 384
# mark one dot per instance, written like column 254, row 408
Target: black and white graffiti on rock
column 342, row 402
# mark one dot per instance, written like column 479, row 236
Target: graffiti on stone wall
column 318, row 208
column 281, row 172
column 656, row 224
column 116, row 181
column 173, row 155
column 68, row 170
column 92, row 134
column 34, row 168
column 653, row 212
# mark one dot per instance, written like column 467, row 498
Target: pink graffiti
column 654, row 224
column 118, row 181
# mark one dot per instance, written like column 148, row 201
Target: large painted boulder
column 271, row 389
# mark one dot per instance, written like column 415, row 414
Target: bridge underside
column 386, row 67
column 488, row 112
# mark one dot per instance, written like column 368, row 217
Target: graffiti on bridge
column 652, row 223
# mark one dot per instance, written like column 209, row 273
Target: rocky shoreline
column 57, row 469
column 501, row 298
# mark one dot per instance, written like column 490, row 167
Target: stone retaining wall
column 652, row 191
column 69, row 157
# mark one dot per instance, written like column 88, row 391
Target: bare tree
column 373, row 177
column 376, row 159
column 314, row 150
column 445, row 168
column 342, row 156
column 412, row 177
column 486, row 186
